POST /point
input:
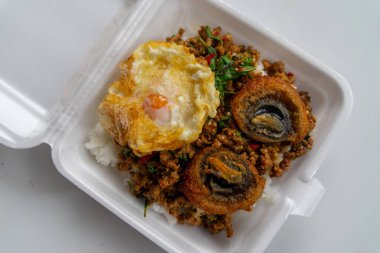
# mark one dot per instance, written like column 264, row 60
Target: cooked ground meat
column 158, row 177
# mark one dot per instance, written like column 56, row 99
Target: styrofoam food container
column 65, row 122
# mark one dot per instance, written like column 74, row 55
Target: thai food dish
column 200, row 125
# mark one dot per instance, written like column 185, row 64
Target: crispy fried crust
column 200, row 194
column 275, row 88
column 113, row 110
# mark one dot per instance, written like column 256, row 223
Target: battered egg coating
column 268, row 109
column 220, row 181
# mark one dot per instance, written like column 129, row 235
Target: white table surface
column 41, row 211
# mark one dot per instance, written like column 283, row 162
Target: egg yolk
column 156, row 106
column 157, row 101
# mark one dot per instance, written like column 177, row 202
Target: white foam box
column 38, row 111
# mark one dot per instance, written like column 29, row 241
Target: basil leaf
column 224, row 69
column 211, row 50
column 213, row 64
column 226, row 60
column 248, row 68
column 247, row 62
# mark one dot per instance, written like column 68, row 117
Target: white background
column 40, row 211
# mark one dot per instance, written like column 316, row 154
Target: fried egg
column 161, row 100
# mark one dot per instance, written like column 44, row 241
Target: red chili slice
column 254, row 146
column 209, row 58
column 146, row 158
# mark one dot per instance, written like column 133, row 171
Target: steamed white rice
column 102, row 146
column 270, row 195
column 260, row 69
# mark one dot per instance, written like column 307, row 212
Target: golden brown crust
column 113, row 110
column 201, row 195
column 278, row 89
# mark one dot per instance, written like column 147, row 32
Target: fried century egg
column 161, row 100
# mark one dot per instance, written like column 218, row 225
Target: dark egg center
column 269, row 118
column 226, row 176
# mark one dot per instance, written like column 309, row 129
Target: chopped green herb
column 225, row 69
column 203, row 42
column 191, row 45
column 220, row 85
column 184, row 157
column 127, row 152
column 151, row 168
column 130, row 184
column 226, row 117
column 210, row 35
column 247, row 65
column 239, row 134
column 247, row 62
column 213, row 64
column 211, row 50
column 145, row 207
column 247, row 69
column 222, row 123
column 225, row 61
column 212, row 217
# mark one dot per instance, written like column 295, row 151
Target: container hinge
column 58, row 125
column 306, row 196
